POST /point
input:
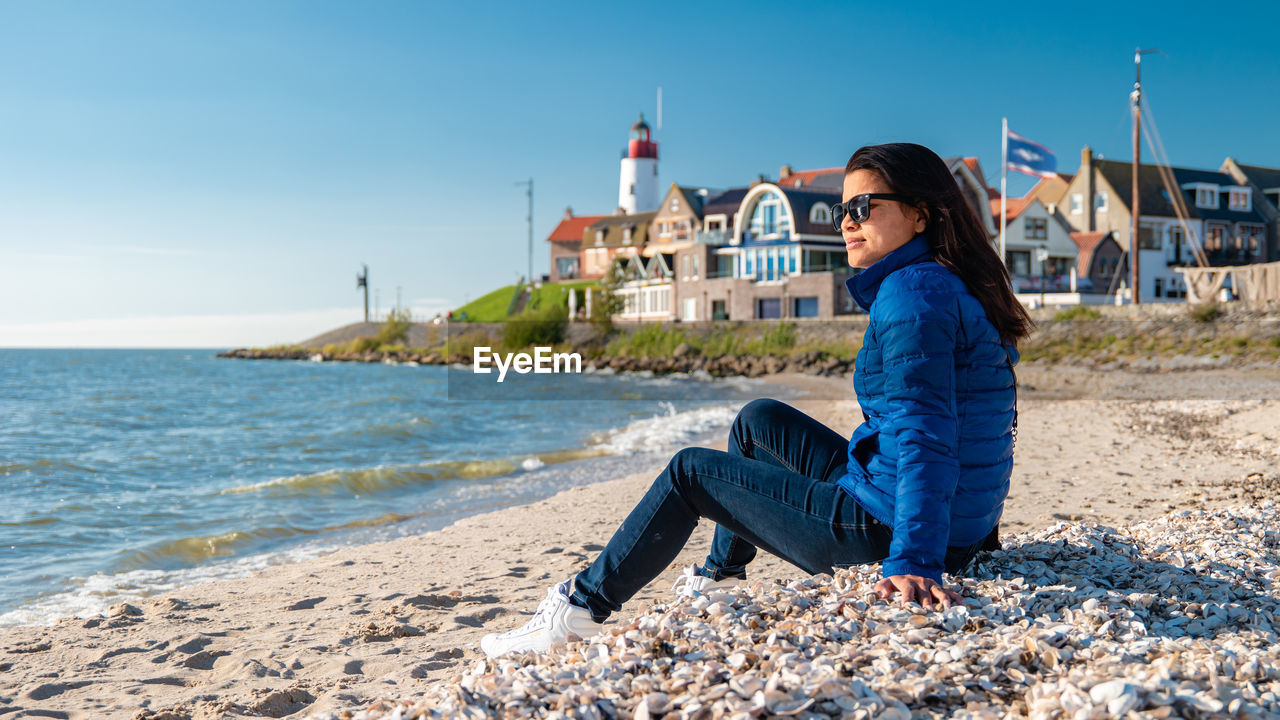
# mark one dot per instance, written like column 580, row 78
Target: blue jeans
column 774, row 489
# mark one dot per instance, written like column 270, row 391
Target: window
column 804, row 307
column 1213, row 237
column 1077, row 203
column 1018, row 262
column 1100, row 202
column 770, row 216
column 1238, row 199
column 685, row 264
column 1159, row 282
column 626, row 236
column 675, row 204
column 567, row 267
column 633, row 189
column 695, row 267
column 1253, row 235
column 1037, row 229
column 1207, row 196
column 1148, row 237
column 718, row 311
column 768, row 308
column 820, row 214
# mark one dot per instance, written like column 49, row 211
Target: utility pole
column 1135, row 274
column 362, row 281
column 529, row 192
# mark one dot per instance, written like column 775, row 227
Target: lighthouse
column 638, row 181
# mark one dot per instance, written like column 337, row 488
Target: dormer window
column 626, row 236
column 1238, row 198
column 820, row 214
column 599, row 237
column 1207, row 196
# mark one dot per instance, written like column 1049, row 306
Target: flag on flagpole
column 1029, row 157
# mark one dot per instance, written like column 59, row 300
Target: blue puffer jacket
column 936, row 385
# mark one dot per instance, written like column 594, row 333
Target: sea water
column 127, row 473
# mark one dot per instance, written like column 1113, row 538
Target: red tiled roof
column 1087, row 242
column 806, row 177
column 1013, row 208
column 571, row 229
column 972, row 164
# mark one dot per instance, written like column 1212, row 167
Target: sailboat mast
column 1135, row 272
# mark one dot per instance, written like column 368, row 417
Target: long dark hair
column 958, row 240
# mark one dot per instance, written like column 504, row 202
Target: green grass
column 492, row 307
column 1077, row 312
column 487, row 308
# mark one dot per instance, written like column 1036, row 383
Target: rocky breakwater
column 1174, row 617
column 686, row 360
column 683, row 360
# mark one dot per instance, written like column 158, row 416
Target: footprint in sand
column 48, row 690
column 204, row 659
column 478, row 619
column 440, row 660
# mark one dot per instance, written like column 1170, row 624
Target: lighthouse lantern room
column 638, row 182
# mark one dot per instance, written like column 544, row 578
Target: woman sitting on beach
column 921, row 484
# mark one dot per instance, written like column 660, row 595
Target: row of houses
column 769, row 250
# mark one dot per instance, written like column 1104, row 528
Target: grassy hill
column 492, row 307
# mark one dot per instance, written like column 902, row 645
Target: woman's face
column 889, row 226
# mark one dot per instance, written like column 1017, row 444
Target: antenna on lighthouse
column 659, row 137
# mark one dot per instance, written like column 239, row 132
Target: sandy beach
column 392, row 620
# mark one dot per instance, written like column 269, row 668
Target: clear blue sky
column 215, row 173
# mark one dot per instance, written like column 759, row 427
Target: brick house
column 1221, row 218
column 566, row 245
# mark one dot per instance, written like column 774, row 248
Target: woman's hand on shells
column 917, row 589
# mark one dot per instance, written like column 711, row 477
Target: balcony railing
column 1225, row 256
column 711, row 237
column 753, row 239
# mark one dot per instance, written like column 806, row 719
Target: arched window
column 770, row 216
column 820, row 214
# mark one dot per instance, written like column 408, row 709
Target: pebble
column 1173, row 617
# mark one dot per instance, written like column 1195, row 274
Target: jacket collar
column 864, row 286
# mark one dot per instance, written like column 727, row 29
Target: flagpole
column 1004, row 179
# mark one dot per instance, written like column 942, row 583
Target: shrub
column 545, row 326
column 1077, row 312
column 395, row 329
column 463, row 346
column 1206, row 313
column 779, row 339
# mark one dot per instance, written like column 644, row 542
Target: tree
column 395, row 329
column 607, row 302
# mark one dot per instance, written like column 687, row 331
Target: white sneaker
column 556, row 622
column 692, row 583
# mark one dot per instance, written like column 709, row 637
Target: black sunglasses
column 858, row 207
